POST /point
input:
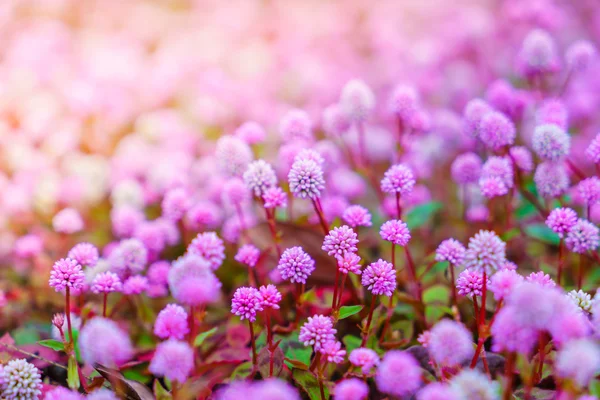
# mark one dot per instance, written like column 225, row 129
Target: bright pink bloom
column 275, row 197
column 173, row 359
column 470, row 283
column 171, row 323
column 364, row 358
column 66, row 273
column 102, row 341
column 357, row 216
column 270, row 296
column 450, row 343
column 209, row 246
column 333, row 351
column 317, row 331
column 67, row 221
column 451, row 250
column 398, row 374
column 246, row 302
column 395, row 231
column 351, row 389
column 106, row 282
column 349, row 262
column 380, row 278
column 136, row 284
column 340, row 240
column 248, row 255
column 295, row 265
column 398, row 178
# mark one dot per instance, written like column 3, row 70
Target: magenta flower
column 130, row 256
column 580, row 55
column 271, row 389
column 395, row 231
column 404, row 102
column 260, row 177
column 473, row 114
column 437, row 391
column 340, row 240
column 357, row 100
column 450, row 343
column 538, row 54
column 248, row 255
column 246, row 302
column 579, row 361
column 270, row 297
column 28, row 246
column 171, row 323
column 451, row 250
column 173, row 359
column 335, row 121
column 510, row 335
column 333, row 351
column 175, row 204
column 158, row 272
column 486, row 252
column 317, row 331
column 551, row 142
column 66, row 273
column 357, row 216
column 364, row 358
column 125, row 220
column 275, row 197
column 349, row 262
column 541, row 279
column 250, row 132
column 470, row 283
column 380, row 278
column 295, row 265
column 106, row 282
column 61, row 393
column 102, row 394
column 67, row 221
column 593, row 150
column 203, row 215
column 496, row 130
column 561, row 220
column 466, row 168
column 503, row 282
column 351, row 389
column 209, row 246
column 551, row 179
column 85, row 254
column 398, row 374
column 500, row 168
column 102, row 342
column 589, row 190
column 296, row 125
column 582, row 237
column 399, row 179
column 522, row 158
column 492, row 187
column 136, row 284
column 554, row 112
column 192, row 281
column 306, row 179
column 232, row 155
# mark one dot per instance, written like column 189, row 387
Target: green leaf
column 72, row 375
column 160, row 392
column 203, row 336
column 511, row 234
column 542, row 233
column 53, row 344
column 136, row 375
column 76, row 341
column 242, row 371
column 309, row 383
column 419, row 215
column 25, row 335
column 595, row 388
column 347, row 311
column 351, row 343
column 437, row 294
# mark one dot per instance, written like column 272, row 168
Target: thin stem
column 104, row 304
column 342, row 288
column 483, row 300
column 561, row 260
column 398, row 206
column 390, row 304
column 269, row 341
column 580, row 274
column 369, row 318
column 477, row 351
column 454, row 296
column 413, row 272
column 68, row 312
column 508, row 373
column 481, row 323
column 192, row 323
column 273, row 229
column 335, row 289
column 541, row 356
column 575, row 169
column 253, row 344
column 319, row 210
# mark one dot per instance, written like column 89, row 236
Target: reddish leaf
column 264, row 359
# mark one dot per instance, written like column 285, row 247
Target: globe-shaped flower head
column 357, row 216
column 20, row 380
column 450, row 343
column 270, row 296
column 580, row 54
column 171, row 322
column 296, row 126
column 175, row 204
column 295, row 265
column 340, row 240
column 451, row 250
column 470, row 283
column 538, row 54
column 210, row 247
column 357, row 100
column 561, row 220
column 317, row 331
column 248, row 254
column 364, row 358
column 103, row 342
column 551, row 179
column 473, row 114
column 466, row 168
column 486, row 252
column 306, row 179
column 246, row 302
column 582, row 237
column 399, row 374
column 192, row 281
column 589, row 190
column 496, row 130
column 107, row 282
column 593, row 150
column 66, row 273
column 259, row 177
column 351, row 389
column 399, row 179
column 130, row 256
column 395, row 231
column 380, row 278
column 173, row 359
column 404, row 102
column 233, row 155
column 551, row 142
column 85, row 254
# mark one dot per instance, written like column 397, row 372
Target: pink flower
column 349, row 262
column 106, row 282
column 470, row 283
column 364, row 358
column 85, row 254
column 357, row 100
column 270, row 297
column 209, row 246
column 496, row 130
column 171, row 323
column 398, row 374
column 275, row 197
column 251, row 132
column 541, row 279
column 67, row 221
column 561, row 220
column 175, row 204
column 136, row 284
column 306, row 179
column 192, row 281
column 451, row 250
column 248, row 255
column 551, row 142
column 260, row 177
column 246, row 302
column 582, row 237
column 295, row 265
column 28, row 246
column 486, row 252
column 317, row 331
column 357, row 216
column 101, row 341
column 173, row 359
column 66, row 273
column 333, row 351
column 395, row 231
column 450, row 343
column 380, row 278
column 399, row 179
column 351, row 389
column 466, row 168
column 340, row 240
column 502, row 283
column 296, row 125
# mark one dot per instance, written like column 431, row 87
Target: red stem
column 253, row 344
column 390, row 304
column 104, row 305
column 413, row 272
column 508, row 373
column 560, row 262
column 342, row 287
column 273, row 229
column 319, row 210
column 192, row 323
column 454, row 296
column 269, row 341
column 68, row 313
column 398, row 206
column 369, row 318
column 335, row 289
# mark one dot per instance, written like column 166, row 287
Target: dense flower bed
column 290, row 200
